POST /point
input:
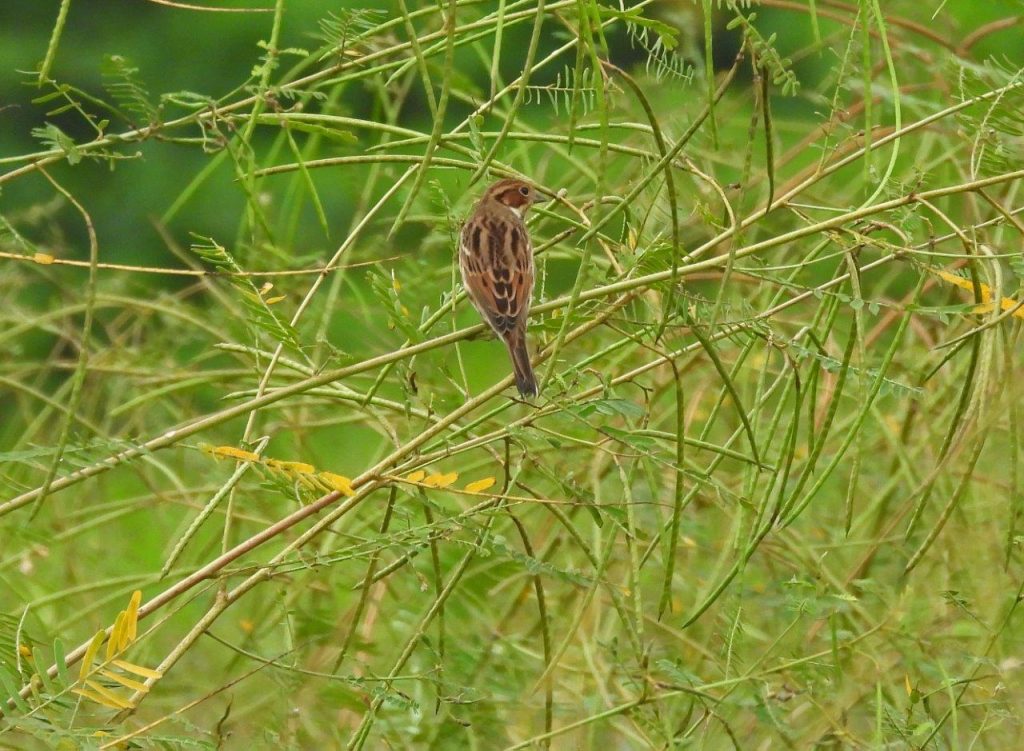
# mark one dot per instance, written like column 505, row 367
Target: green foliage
column 997, row 127
column 121, row 81
column 54, row 138
column 342, row 30
column 769, row 494
column 255, row 302
column 765, row 53
column 569, row 92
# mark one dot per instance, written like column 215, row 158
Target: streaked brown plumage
column 496, row 259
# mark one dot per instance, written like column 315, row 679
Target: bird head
column 515, row 195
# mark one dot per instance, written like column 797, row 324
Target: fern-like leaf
column 120, row 79
column 998, row 125
column 777, row 67
column 341, row 31
column 568, row 91
column 56, row 139
column 259, row 313
column 659, row 43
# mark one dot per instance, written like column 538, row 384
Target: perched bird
column 496, row 259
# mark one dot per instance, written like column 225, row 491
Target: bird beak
column 539, row 197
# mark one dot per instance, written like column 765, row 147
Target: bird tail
column 525, row 380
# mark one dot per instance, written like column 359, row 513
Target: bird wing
column 496, row 260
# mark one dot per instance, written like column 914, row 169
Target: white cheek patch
column 516, row 210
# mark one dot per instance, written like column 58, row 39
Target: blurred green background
column 211, row 53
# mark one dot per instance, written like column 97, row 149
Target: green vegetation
column 265, row 482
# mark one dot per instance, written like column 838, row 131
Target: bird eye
column 524, row 190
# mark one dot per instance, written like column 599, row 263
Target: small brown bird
column 496, row 259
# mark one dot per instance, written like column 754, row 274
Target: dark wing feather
column 497, row 268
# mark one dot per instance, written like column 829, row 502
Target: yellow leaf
column 90, row 653
column 957, row 281
column 44, row 258
column 338, row 482
column 232, row 453
column 441, row 480
column 125, row 681
column 1008, row 303
column 416, row 476
column 25, row 651
column 132, row 619
column 1005, row 303
column 480, row 485
column 267, row 286
column 105, row 692
column 92, row 696
column 275, row 299
column 297, row 467
column 137, row 669
column 397, row 285
column 116, row 635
